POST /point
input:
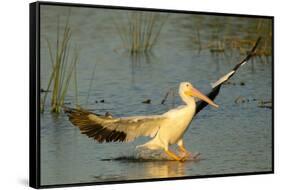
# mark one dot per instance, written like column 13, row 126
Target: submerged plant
column 63, row 69
column 140, row 31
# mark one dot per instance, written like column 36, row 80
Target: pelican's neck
column 190, row 101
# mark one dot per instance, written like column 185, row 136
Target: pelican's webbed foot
column 173, row 156
column 186, row 153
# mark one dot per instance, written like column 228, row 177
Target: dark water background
column 235, row 138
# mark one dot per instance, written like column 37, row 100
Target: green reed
column 140, row 31
column 63, row 69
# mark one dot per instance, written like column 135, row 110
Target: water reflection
column 149, row 170
column 154, row 168
column 140, row 61
column 162, row 169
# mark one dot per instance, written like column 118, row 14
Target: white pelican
column 165, row 129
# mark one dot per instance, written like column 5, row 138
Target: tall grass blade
column 63, row 67
column 139, row 31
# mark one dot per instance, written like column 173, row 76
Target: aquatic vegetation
column 90, row 84
column 264, row 29
column 265, row 104
column 260, row 103
column 63, row 69
column 172, row 94
column 224, row 37
column 140, row 31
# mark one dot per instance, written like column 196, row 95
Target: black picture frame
column 34, row 93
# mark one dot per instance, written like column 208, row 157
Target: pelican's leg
column 183, row 149
column 172, row 155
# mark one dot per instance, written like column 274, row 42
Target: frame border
column 34, row 94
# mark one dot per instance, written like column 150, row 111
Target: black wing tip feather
column 102, row 134
column 79, row 118
column 215, row 91
column 249, row 55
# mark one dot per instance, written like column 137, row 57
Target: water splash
column 148, row 155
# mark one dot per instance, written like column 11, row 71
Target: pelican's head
column 187, row 90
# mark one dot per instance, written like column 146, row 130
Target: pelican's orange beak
column 196, row 93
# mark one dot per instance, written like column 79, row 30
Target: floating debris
column 148, row 101
column 261, row 103
column 265, row 104
column 165, row 98
column 217, row 50
column 100, row 101
column 240, row 99
column 242, row 83
column 170, row 91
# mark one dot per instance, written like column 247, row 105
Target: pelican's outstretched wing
column 109, row 129
column 217, row 85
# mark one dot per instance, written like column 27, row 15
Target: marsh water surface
column 235, row 138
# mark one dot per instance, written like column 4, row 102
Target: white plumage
column 133, row 127
column 165, row 129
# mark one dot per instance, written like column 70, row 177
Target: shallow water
column 235, row 138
